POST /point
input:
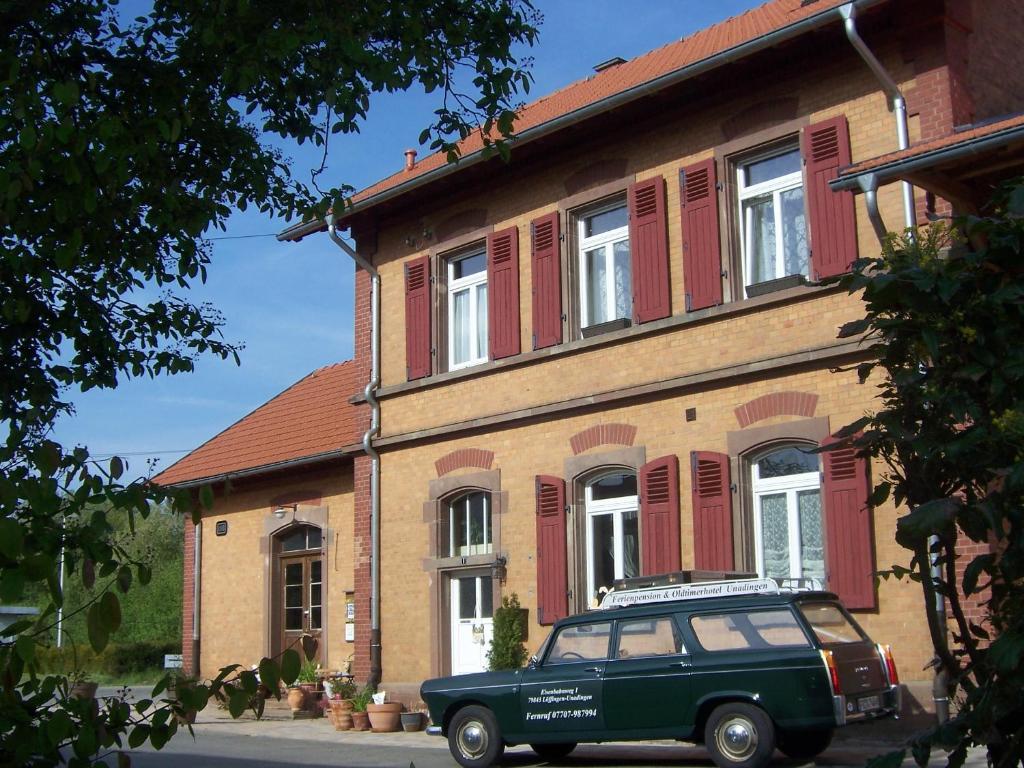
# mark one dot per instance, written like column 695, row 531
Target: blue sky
column 291, row 304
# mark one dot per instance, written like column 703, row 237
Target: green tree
column 944, row 321
column 123, row 141
column 507, row 650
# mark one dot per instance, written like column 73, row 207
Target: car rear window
column 748, row 630
column 830, row 624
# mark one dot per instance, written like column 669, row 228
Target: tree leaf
column 11, row 538
column 290, row 666
column 99, row 632
column 270, row 674
column 111, row 607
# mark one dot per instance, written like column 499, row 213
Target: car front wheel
column 474, row 738
column 739, row 736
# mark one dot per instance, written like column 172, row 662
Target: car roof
column 718, row 603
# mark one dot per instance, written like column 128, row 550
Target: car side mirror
column 532, row 663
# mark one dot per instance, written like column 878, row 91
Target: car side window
column 581, row 642
column 749, row 630
column 648, row 637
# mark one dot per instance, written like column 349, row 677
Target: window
column 830, row 624
column 300, row 538
column 582, row 642
column 772, row 219
column 469, row 527
column 604, row 265
column 648, row 637
column 788, row 537
column 467, row 310
column 612, row 534
column 753, row 630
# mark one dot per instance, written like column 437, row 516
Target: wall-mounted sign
column 350, row 633
column 350, row 611
column 221, row 528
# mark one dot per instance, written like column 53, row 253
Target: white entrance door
column 472, row 623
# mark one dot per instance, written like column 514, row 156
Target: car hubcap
column 736, row 738
column 472, row 739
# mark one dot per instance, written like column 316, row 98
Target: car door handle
column 591, row 669
column 684, row 664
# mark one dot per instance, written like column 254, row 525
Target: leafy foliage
column 123, row 141
column 944, row 321
column 507, row 650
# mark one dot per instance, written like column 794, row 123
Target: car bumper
column 854, row 709
column 434, row 730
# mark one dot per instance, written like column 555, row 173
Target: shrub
column 507, row 649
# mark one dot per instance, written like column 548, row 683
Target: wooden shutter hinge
column 733, row 487
column 719, row 186
column 568, row 509
column 433, row 351
column 433, row 279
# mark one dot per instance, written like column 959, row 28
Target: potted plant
column 360, row 718
column 80, row 686
column 385, row 716
column 309, row 676
column 412, row 721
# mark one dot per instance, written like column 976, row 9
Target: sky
column 290, row 304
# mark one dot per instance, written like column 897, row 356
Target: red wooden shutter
column 546, row 270
column 849, row 541
column 648, row 248
column 659, row 516
column 702, row 251
column 503, row 293
column 417, row 318
column 826, row 148
column 712, row 511
column 552, row 572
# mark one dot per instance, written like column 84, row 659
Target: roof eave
column 897, row 170
column 737, row 52
column 262, row 469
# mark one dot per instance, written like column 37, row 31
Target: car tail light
column 885, row 651
column 833, row 672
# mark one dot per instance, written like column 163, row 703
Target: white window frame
column 789, row 485
column 616, row 507
column 470, row 549
column 775, row 187
column 470, row 284
column 607, row 241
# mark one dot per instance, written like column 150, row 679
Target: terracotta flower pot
column 360, row 721
column 412, row 721
column 296, row 699
column 386, row 717
column 84, row 690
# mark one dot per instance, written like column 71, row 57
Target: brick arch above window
column 602, row 434
column 776, row 404
column 462, row 458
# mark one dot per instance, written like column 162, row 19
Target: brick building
column 609, row 357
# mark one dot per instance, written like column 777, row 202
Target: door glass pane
column 597, row 286
column 293, row 573
column 486, row 597
column 602, row 553
column 812, row 550
column 794, row 231
column 314, row 595
column 467, row 598
column 481, row 320
column 630, row 545
column 314, row 618
column 314, row 571
column 293, row 596
column 623, row 283
column 314, row 539
column 460, row 327
column 775, row 535
column 293, row 618
column 759, row 216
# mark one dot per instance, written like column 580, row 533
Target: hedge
column 124, row 659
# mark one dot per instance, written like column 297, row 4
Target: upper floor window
column 786, row 485
column 772, row 218
column 469, row 528
column 467, row 310
column 604, row 265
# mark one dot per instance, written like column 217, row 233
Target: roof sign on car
column 625, row 597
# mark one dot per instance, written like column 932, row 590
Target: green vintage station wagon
column 742, row 666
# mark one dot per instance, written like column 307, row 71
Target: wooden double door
column 299, row 602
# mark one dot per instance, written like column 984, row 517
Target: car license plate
column 867, row 703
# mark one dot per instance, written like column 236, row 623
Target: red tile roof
column 715, row 39
column 934, row 145
column 311, row 418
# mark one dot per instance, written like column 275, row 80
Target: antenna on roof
column 612, row 62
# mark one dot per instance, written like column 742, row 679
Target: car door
column 647, row 679
column 562, row 693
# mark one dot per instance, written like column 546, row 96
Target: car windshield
column 830, row 624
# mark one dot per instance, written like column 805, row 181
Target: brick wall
column 361, row 544
column 995, row 71
column 188, row 645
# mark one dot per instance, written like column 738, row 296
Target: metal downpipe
column 869, row 186
column 896, row 101
column 370, row 393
